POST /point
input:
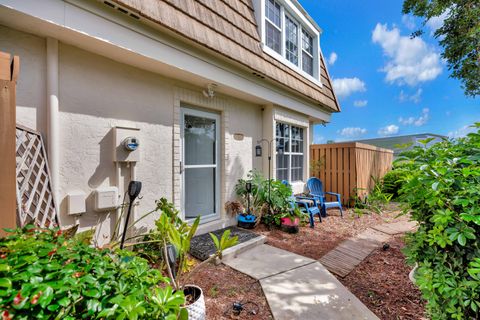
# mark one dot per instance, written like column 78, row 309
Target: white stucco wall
column 96, row 94
column 31, row 87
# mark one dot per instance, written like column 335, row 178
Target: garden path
column 297, row 287
column 348, row 254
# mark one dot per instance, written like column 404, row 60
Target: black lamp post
column 248, row 188
column 258, row 153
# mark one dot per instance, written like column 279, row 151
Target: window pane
column 272, row 12
column 199, row 192
column 307, row 42
column 291, row 41
column 199, row 139
column 282, row 134
column 273, row 37
column 282, row 167
column 297, row 167
column 307, row 63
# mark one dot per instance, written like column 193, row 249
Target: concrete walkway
column 297, row 287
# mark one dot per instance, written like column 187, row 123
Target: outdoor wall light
column 258, row 151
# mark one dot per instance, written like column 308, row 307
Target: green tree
column 459, row 36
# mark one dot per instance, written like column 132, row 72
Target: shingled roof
column 229, row 27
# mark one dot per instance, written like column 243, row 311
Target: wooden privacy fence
column 348, row 168
column 9, row 69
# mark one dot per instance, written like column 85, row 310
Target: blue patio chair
column 315, row 188
column 307, row 205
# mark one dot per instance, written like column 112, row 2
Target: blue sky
column 388, row 84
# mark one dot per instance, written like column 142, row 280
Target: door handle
column 181, row 167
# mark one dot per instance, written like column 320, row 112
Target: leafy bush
column 280, row 198
column 393, row 181
column 45, row 275
column 442, row 190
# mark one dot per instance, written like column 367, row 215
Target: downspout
column 53, row 130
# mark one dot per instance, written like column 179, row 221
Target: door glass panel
column 199, row 137
column 199, row 192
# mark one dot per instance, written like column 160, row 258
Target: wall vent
column 122, row 10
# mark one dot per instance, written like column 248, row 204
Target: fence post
column 8, row 78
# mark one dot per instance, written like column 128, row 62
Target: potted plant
column 290, row 221
column 244, row 219
column 174, row 236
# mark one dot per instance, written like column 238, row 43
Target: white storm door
column 200, row 164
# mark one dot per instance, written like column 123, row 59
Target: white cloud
column 417, row 122
column 462, row 132
column 435, row 23
column 388, row 130
column 360, row 103
column 411, row 61
column 333, row 57
column 409, row 22
column 352, row 132
column 415, row 98
column 346, row 86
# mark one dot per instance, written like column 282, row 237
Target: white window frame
column 302, row 50
column 303, row 24
column 290, row 153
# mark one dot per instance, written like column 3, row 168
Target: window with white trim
column 307, row 52
column 273, row 26
column 291, row 40
column 289, row 146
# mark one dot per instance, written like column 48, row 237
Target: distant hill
column 395, row 143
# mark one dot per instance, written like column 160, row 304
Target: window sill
column 287, row 63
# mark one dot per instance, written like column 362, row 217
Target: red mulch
column 316, row 242
column 222, row 286
column 381, row 282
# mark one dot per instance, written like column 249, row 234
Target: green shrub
column 45, row 275
column 393, row 181
column 442, row 191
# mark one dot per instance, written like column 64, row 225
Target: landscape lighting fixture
column 258, row 151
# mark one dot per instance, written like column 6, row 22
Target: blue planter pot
column 246, row 221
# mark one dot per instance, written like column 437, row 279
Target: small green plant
column 46, row 275
column 171, row 230
column 442, row 193
column 375, row 201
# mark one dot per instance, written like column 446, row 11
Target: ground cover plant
column 442, row 192
column 46, row 275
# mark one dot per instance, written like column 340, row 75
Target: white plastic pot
column 196, row 310
column 411, row 275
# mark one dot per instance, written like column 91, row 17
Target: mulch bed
column 222, row 286
column 381, row 282
column 316, row 242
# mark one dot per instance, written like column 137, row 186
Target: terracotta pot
column 196, row 310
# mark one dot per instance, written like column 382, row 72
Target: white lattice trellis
column 35, row 202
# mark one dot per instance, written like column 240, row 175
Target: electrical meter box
column 126, row 143
column 106, row 198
